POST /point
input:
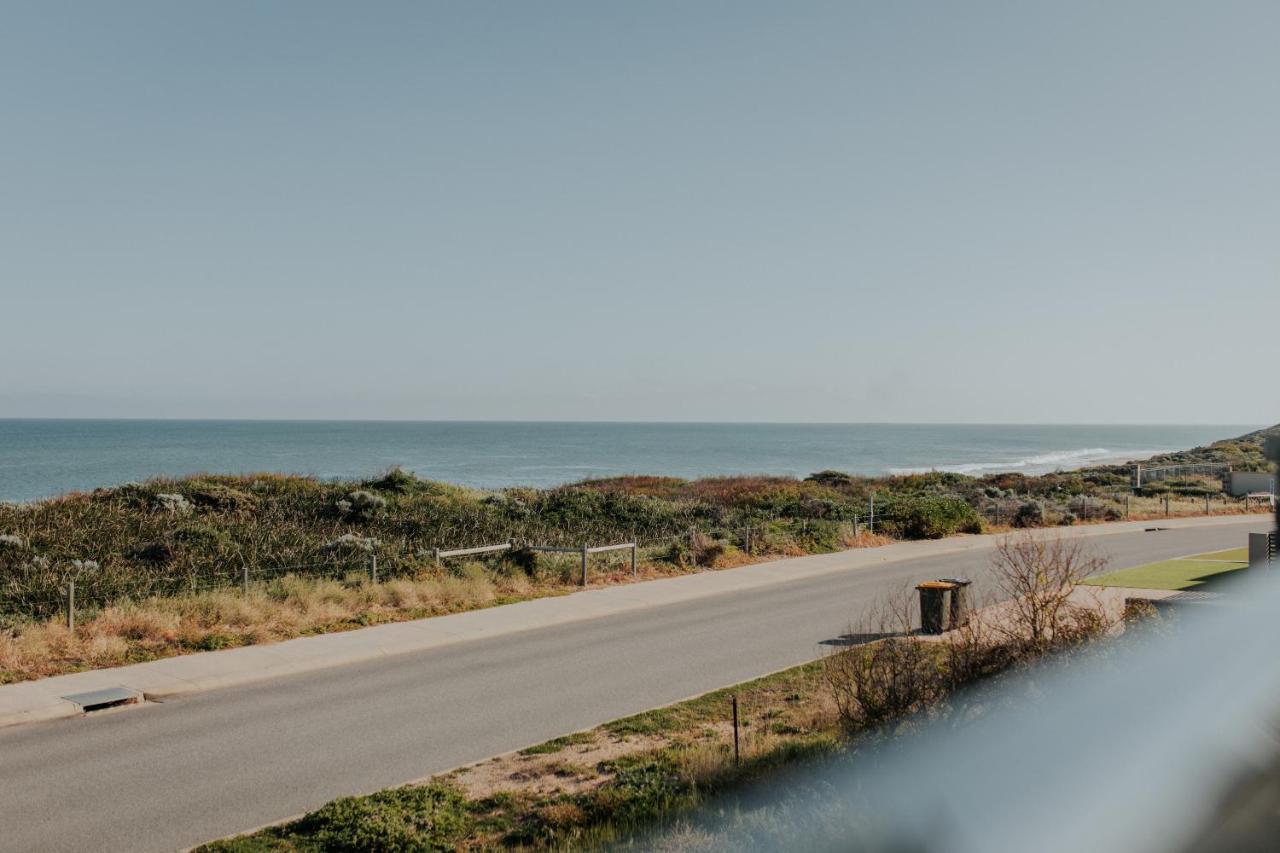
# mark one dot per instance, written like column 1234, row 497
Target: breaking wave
column 1039, row 464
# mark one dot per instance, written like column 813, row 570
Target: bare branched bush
column 972, row 652
column 893, row 675
column 1038, row 575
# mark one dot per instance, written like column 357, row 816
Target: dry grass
column 285, row 608
column 293, row 606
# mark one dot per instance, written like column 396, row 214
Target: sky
column 791, row 211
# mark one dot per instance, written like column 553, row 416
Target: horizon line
column 621, row 422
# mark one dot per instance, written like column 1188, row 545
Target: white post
column 373, row 566
column 71, row 606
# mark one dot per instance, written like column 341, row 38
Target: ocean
column 42, row 458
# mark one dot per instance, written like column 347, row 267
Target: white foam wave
column 1041, row 463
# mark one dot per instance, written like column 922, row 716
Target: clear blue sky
column 849, row 211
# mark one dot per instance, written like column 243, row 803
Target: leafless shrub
column 972, row 652
column 887, row 678
column 1038, row 575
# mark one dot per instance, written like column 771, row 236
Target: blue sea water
column 41, row 458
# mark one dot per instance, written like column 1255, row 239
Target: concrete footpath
column 45, row 699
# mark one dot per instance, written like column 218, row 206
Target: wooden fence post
column 634, row 571
column 71, row 606
column 584, row 565
column 373, row 566
column 737, row 756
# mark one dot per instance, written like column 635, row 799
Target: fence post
column 245, row 567
column 1206, row 503
column 1126, row 506
column 634, row 571
column 856, row 530
column 871, row 522
column 584, row 565
column 737, row 758
column 1166, row 506
column 373, row 566
column 71, row 606
column 435, row 556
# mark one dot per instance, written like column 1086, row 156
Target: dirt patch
column 572, row 768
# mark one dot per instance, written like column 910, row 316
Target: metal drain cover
column 97, row 700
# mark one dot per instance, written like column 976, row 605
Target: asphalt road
column 168, row 776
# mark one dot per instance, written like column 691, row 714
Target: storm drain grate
column 99, row 700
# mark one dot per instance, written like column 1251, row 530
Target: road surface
column 172, row 775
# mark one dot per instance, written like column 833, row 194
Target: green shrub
column 642, row 789
column 924, row 516
column 420, row 818
column 835, row 479
column 397, row 481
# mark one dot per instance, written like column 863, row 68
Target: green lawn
column 1182, row 573
column 1236, row 555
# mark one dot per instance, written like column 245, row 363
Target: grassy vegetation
column 1182, row 573
column 604, row 787
column 664, row 761
column 156, row 565
column 1244, row 453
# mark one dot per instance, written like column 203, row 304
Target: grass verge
column 586, row 788
column 1179, row 574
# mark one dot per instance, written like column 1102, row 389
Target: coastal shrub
column 679, row 553
column 203, row 538
column 397, row 481
column 835, row 479
column 523, row 558
column 351, row 542
column 174, row 503
column 221, row 498
column 820, row 536
column 705, row 550
column 362, row 504
column 156, row 553
column 1029, row 514
column 641, row 788
column 923, row 516
column 420, row 818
